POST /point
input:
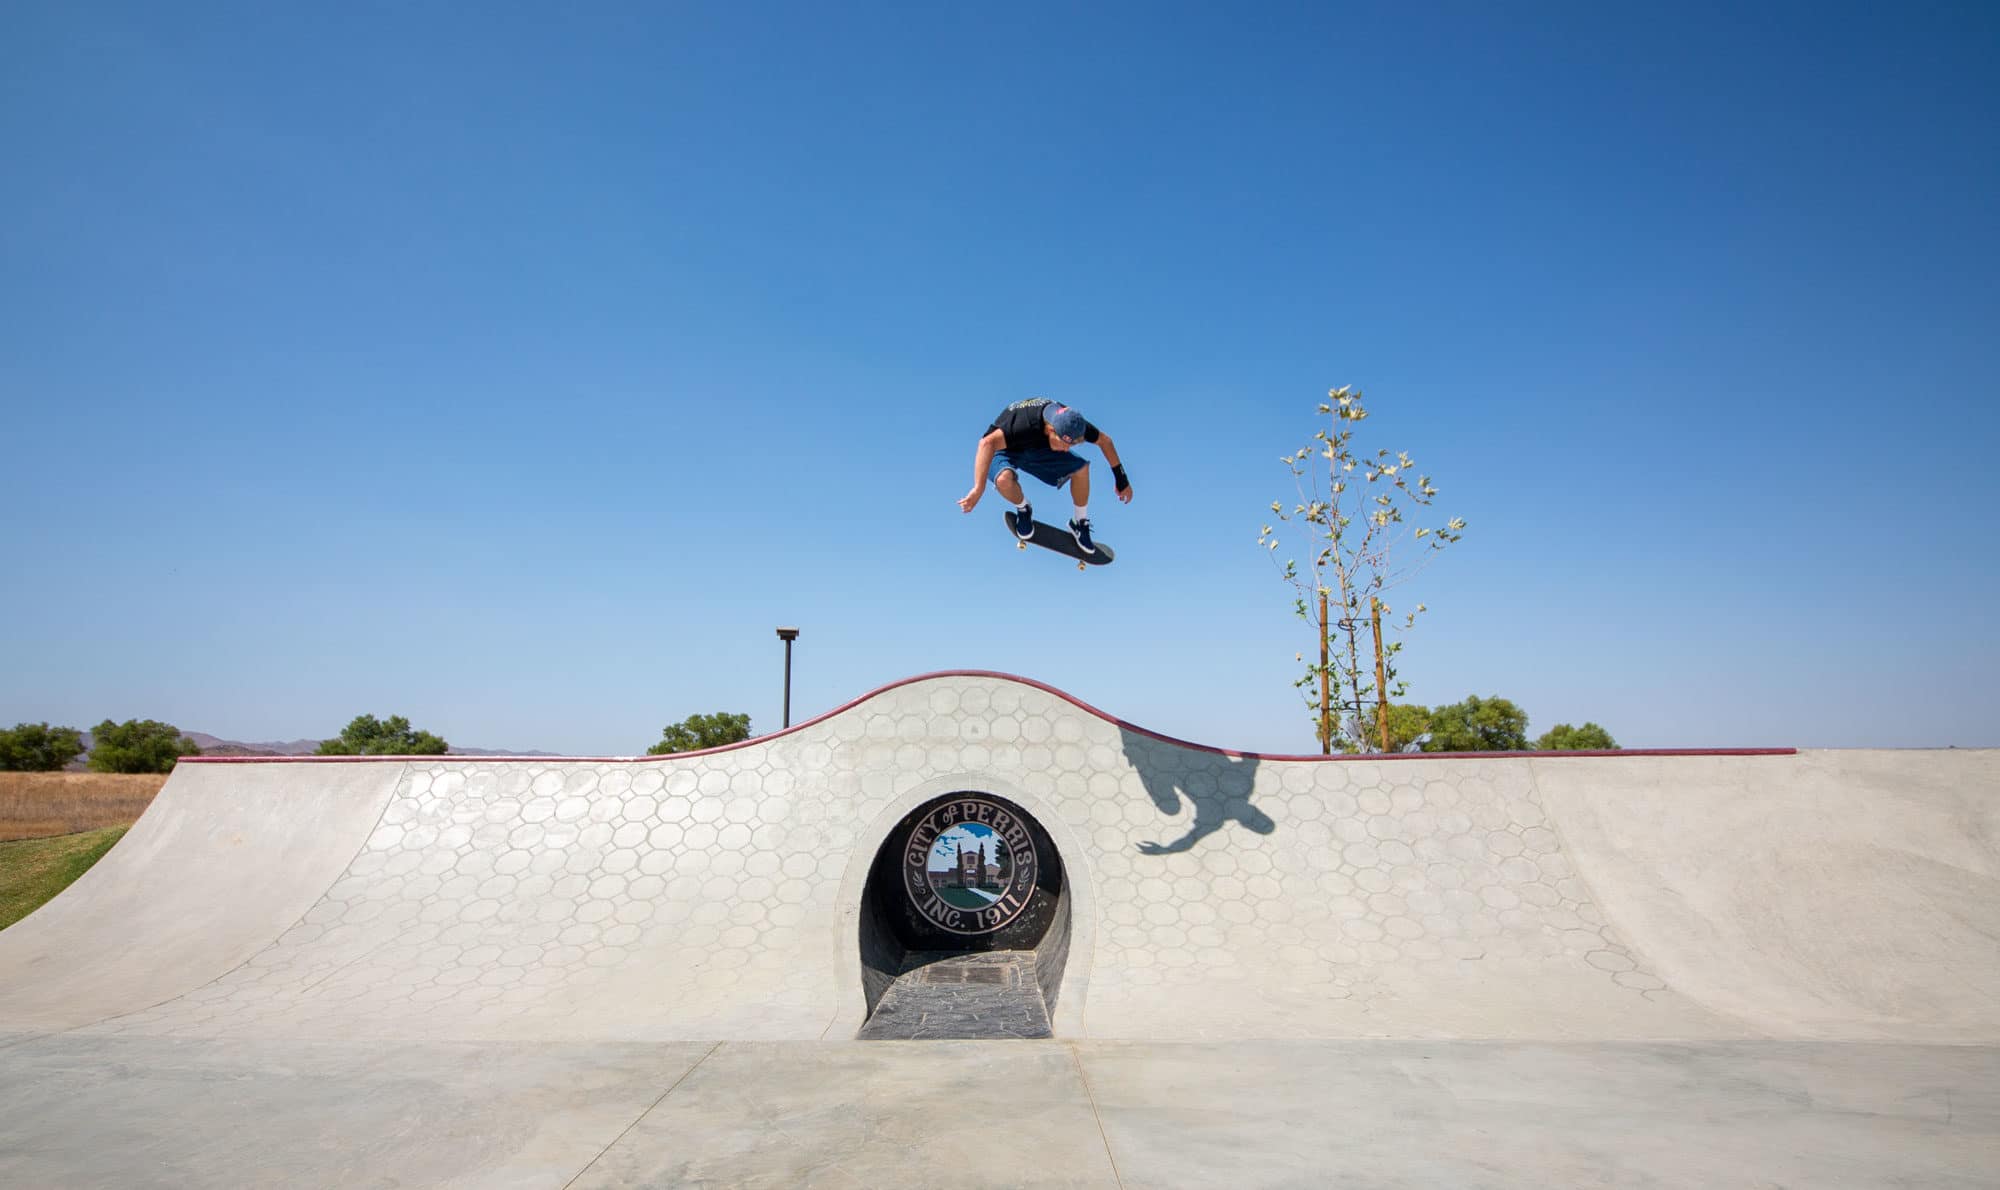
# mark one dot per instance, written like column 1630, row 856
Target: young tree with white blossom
column 1356, row 515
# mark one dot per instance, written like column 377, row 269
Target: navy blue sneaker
column 1024, row 522
column 1081, row 531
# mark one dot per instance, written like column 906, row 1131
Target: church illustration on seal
column 970, row 865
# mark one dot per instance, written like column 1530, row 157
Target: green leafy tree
column 1407, row 723
column 38, row 748
column 138, row 746
column 365, row 735
column 1564, row 738
column 1478, row 725
column 1353, row 512
column 696, row 732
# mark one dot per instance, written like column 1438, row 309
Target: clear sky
column 519, row 368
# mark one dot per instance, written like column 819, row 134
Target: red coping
column 1121, row 724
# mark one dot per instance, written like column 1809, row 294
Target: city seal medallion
column 969, row 865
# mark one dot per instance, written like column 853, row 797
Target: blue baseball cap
column 1067, row 423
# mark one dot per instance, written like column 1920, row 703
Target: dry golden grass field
column 42, row 805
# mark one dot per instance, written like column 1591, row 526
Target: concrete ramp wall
column 225, row 859
column 1214, row 895
column 1843, row 894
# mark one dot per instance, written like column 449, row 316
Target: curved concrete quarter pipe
column 1043, row 869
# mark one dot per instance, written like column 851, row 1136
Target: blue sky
column 518, row 372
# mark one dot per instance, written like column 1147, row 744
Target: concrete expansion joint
column 640, row 1116
column 1096, row 1116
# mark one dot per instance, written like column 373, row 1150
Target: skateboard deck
column 1049, row 537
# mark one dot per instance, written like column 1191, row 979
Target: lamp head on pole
column 788, row 635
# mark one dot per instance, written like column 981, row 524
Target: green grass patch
column 33, row 871
column 963, row 898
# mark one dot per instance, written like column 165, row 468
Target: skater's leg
column 1010, row 491
column 1010, row 487
column 1079, row 493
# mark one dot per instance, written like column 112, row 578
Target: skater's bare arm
column 981, row 460
column 1110, row 450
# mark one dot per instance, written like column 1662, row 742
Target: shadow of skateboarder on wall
column 1215, row 786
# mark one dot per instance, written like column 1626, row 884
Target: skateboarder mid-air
column 1036, row 437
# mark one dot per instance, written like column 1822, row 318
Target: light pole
column 788, row 635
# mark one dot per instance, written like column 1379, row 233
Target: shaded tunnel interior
column 965, row 923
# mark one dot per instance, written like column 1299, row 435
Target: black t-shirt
column 1025, row 423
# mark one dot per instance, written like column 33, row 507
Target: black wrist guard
column 1118, row 476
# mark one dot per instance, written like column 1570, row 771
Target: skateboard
column 1051, row 538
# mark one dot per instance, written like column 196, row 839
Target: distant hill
column 217, row 746
column 496, row 752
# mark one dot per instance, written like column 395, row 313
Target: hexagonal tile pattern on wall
column 700, row 897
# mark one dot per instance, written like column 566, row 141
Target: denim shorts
column 1052, row 467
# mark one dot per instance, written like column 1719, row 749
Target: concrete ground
column 123, row 1112
column 1695, row 969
